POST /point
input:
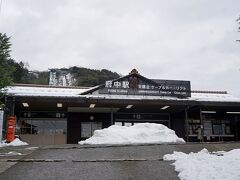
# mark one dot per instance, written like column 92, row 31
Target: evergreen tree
column 20, row 74
column 5, row 69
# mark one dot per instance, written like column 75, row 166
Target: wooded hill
column 83, row 76
column 92, row 77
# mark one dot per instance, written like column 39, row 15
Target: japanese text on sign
column 125, row 85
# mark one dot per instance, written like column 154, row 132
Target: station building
column 59, row 115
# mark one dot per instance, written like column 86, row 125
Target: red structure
column 11, row 124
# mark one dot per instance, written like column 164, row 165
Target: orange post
column 11, row 124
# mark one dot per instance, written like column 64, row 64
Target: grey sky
column 191, row 40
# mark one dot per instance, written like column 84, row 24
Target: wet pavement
column 95, row 162
column 10, row 155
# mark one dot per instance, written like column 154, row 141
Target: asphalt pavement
column 95, row 162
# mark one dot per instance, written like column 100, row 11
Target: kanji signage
column 134, row 85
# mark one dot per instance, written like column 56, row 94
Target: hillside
column 79, row 76
column 73, row 76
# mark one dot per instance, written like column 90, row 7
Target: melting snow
column 147, row 133
column 11, row 153
column 15, row 142
column 205, row 165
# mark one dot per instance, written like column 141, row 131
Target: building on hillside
column 61, row 77
column 58, row 115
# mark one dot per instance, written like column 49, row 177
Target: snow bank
column 149, row 133
column 15, row 142
column 11, row 153
column 204, row 165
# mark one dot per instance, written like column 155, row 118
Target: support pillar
column 201, row 126
column 186, row 124
column 112, row 117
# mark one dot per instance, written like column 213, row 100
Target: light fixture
column 25, row 104
column 129, row 106
column 165, row 107
column 233, row 112
column 92, row 105
column 209, row 112
column 59, row 105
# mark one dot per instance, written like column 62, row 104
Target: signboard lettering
column 137, row 86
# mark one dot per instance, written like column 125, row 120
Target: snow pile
column 149, row 133
column 204, row 165
column 15, row 142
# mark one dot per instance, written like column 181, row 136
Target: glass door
column 88, row 128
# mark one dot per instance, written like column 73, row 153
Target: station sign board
column 135, row 85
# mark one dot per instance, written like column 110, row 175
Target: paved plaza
column 95, row 162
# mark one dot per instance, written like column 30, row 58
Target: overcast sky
column 191, row 40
